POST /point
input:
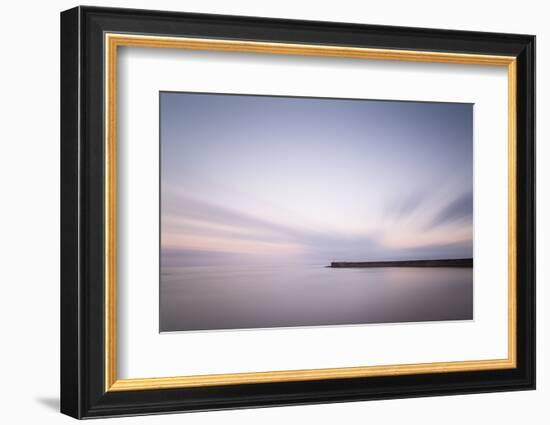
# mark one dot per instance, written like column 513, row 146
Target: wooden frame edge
column 306, row 375
column 113, row 40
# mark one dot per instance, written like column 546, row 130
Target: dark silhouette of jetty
column 455, row 262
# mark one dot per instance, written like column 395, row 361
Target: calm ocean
column 263, row 296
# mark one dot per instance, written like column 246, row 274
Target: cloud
column 406, row 205
column 190, row 223
column 460, row 208
column 223, row 219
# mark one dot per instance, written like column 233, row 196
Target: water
column 242, row 297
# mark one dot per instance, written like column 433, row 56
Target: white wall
column 29, row 225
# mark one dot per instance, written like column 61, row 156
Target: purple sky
column 278, row 178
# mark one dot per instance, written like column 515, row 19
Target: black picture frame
column 83, row 392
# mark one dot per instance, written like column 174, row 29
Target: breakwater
column 455, row 262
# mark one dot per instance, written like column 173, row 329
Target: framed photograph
column 261, row 212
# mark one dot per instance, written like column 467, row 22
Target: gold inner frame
column 113, row 41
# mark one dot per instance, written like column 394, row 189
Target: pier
column 459, row 262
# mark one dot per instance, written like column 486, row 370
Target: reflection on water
column 239, row 297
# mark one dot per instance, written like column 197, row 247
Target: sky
column 266, row 178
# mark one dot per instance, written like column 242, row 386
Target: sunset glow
column 316, row 179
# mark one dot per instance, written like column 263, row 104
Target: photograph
column 287, row 211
